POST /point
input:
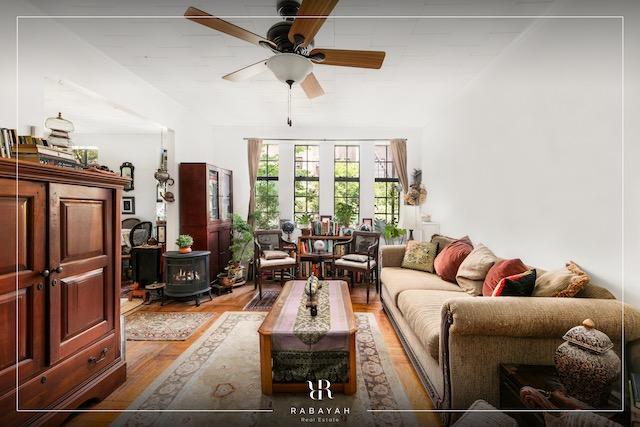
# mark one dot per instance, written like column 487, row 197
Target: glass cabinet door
column 214, row 213
column 225, row 195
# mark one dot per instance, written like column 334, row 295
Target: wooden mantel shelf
column 37, row 171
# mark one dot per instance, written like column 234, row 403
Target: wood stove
column 187, row 275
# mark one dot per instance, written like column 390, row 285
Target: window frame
column 389, row 181
column 346, row 179
column 306, row 180
column 271, row 208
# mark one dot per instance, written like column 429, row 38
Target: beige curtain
column 399, row 152
column 254, row 148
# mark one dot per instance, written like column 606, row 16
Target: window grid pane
column 347, row 176
column 306, row 180
column 267, row 212
column 386, row 187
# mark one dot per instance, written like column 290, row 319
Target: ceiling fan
column 292, row 42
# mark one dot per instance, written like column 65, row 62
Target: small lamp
column 409, row 218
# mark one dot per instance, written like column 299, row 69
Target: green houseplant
column 184, row 242
column 344, row 214
column 241, row 247
column 304, row 222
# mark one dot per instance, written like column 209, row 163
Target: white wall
column 143, row 151
column 529, row 159
column 229, row 150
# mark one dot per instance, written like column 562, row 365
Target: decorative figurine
column 587, row 364
column 311, row 289
column 319, row 246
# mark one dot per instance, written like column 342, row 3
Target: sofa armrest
column 391, row 255
column 537, row 317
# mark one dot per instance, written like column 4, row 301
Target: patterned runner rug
column 264, row 304
column 220, row 374
column 163, row 326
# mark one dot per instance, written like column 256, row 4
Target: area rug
column 220, row 374
column 264, row 304
column 163, row 326
column 127, row 306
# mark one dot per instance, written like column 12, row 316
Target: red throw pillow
column 500, row 270
column 448, row 261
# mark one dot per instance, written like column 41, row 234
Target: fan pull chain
column 289, row 122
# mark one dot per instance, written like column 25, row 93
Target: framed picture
column 128, row 205
column 126, row 170
column 325, row 218
column 161, row 232
column 368, row 221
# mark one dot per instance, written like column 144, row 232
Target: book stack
column 325, row 227
column 39, row 153
column 8, row 140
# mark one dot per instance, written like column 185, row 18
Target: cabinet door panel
column 81, row 224
column 22, row 301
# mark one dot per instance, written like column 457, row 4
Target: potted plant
column 304, row 222
column 344, row 217
column 184, row 242
column 241, row 247
column 391, row 233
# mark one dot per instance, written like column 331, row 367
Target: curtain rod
column 323, row 139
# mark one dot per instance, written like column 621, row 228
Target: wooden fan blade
column 304, row 29
column 311, row 86
column 247, row 72
column 349, row 58
column 203, row 18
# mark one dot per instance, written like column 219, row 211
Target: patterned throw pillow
column 420, row 256
column 563, row 283
column 518, row 285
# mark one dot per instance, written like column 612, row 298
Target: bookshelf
column 312, row 262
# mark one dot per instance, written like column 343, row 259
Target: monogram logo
column 316, row 393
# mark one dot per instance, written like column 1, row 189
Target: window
column 386, row 186
column 347, row 177
column 306, row 181
column 267, row 212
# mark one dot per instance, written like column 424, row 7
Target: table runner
column 296, row 330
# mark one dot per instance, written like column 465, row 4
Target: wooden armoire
column 206, row 209
column 59, row 290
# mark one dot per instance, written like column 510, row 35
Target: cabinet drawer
column 60, row 379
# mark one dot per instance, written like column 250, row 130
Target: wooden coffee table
column 276, row 334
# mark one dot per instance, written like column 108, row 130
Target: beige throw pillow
column 420, row 256
column 355, row 258
column 561, row 283
column 474, row 268
column 275, row 254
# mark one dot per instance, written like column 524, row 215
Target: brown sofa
column 457, row 341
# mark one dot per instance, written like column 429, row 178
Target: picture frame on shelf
column 325, row 218
column 127, row 171
column 161, row 232
column 368, row 221
column 128, row 205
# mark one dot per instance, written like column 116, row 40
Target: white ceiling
column 92, row 113
column 428, row 62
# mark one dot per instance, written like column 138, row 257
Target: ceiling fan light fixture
column 289, row 67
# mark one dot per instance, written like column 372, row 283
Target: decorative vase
column 587, row 364
column 185, row 250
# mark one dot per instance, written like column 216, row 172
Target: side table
column 155, row 292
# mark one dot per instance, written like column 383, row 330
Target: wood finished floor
column 147, row 359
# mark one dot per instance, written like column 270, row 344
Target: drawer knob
column 45, row 273
column 94, row 360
